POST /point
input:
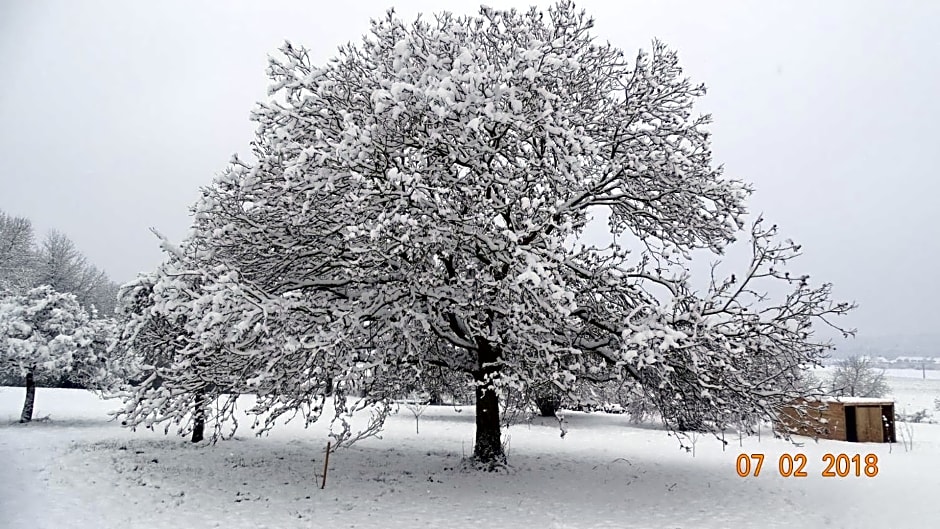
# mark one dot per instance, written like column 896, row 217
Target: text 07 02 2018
column 794, row 465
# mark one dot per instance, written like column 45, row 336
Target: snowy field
column 77, row 470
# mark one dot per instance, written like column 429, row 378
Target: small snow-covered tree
column 430, row 186
column 856, row 376
column 47, row 331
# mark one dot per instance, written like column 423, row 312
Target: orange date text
column 795, row 465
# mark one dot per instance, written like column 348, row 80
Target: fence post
column 326, row 464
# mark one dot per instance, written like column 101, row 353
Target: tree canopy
column 419, row 202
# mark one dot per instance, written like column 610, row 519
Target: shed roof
column 854, row 400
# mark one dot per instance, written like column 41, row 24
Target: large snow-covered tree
column 419, row 202
column 44, row 331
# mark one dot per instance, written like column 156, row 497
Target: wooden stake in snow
column 326, row 464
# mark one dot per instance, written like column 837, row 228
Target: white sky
column 112, row 114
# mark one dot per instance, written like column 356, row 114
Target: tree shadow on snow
column 50, row 422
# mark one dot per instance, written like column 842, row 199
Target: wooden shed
column 853, row 419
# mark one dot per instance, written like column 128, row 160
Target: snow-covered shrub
column 914, row 417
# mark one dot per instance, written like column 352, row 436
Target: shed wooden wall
column 825, row 420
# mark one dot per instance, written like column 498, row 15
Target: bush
column 916, row 417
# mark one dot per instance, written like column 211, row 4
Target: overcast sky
column 112, row 114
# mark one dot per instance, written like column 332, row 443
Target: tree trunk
column 488, row 449
column 199, row 418
column 547, row 404
column 27, row 415
column 547, row 408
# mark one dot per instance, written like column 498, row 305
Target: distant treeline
column 901, row 362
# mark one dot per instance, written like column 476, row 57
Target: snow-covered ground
column 78, row 470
